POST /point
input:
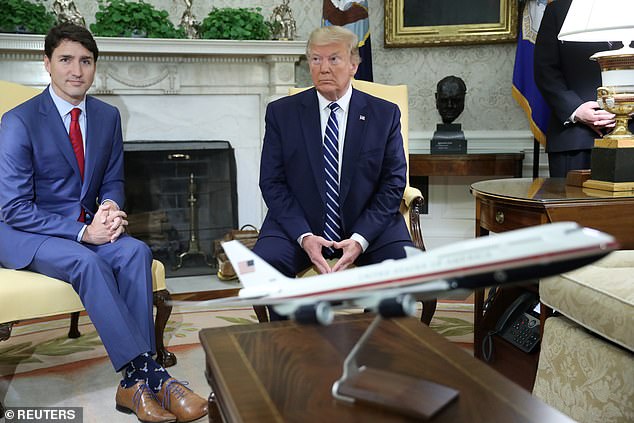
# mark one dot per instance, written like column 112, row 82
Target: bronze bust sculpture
column 450, row 96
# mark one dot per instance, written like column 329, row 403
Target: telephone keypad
column 523, row 333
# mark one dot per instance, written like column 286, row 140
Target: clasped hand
column 313, row 245
column 596, row 118
column 107, row 225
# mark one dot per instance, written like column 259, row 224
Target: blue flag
column 525, row 92
column 354, row 16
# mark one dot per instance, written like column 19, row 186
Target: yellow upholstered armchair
column 413, row 201
column 27, row 295
column 14, row 94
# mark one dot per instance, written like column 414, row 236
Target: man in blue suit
column 369, row 176
column 60, row 214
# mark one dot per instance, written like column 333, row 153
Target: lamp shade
column 599, row 20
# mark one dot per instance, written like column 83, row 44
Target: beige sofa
column 586, row 364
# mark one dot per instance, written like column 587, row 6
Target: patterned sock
column 146, row 369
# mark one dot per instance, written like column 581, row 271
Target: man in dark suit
column 568, row 80
column 369, row 176
column 61, row 189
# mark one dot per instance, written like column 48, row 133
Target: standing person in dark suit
column 61, row 193
column 568, row 80
column 299, row 181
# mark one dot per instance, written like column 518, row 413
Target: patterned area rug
column 40, row 365
column 45, row 344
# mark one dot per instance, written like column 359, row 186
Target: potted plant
column 24, row 17
column 122, row 18
column 235, row 24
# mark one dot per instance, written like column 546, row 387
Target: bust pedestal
column 448, row 139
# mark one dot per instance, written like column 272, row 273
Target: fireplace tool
column 194, row 245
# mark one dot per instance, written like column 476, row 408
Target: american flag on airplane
column 246, row 266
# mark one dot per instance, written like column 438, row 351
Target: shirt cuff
column 81, row 233
column 361, row 240
column 111, row 201
column 301, row 238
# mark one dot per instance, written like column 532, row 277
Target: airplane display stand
column 397, row 392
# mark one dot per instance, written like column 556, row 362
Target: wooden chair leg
column 5, row 333
column 163, row 312
column 73, row 331
column 261, row 313
column 429, row 308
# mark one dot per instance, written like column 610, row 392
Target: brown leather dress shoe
column 181, row 401
column 141, row 400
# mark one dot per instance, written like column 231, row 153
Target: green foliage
column 121, row 18
column 25, row 17
column 235, row 24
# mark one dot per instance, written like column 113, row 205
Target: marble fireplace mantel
column 182, row 90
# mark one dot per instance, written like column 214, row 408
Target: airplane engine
column 403, row 305
column 320, row 312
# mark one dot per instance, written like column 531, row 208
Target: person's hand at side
column 596, row 118
column 313, row 244
column 351, row 250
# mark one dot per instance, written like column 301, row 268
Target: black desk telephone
column 519, row 325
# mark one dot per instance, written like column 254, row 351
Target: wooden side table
column 507, row 204
column 474, row 163
column 283, row 372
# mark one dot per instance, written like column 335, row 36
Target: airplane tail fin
column 251, row 269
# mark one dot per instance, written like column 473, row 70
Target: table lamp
column 612, row 167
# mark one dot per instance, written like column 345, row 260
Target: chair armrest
column 413, row 201
column 410, row 195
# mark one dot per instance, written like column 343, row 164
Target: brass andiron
column 194, row 245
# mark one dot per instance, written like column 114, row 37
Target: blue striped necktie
column 332, row 229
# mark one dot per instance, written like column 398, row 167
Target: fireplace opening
column 180, row 197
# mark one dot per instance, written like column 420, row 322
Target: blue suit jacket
column 41, row 192
column 373, row 173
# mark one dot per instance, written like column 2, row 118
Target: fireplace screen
column 180, row 197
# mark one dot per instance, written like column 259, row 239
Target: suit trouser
column 289, row 258
column 114, row 282
column 561, row 162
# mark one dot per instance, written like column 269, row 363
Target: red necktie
column 78, row 146
column 76, row 140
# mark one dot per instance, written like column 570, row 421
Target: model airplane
column 388, row 287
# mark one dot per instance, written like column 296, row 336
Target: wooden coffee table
column 281, row 371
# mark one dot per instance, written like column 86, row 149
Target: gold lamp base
column 613, row 155
column 609, row 186
column 612, row 167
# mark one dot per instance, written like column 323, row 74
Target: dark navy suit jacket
column 373, row 174
column 567, row 78
column 41, row 193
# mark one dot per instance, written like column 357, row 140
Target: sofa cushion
column 583, row 376
column 27, row 295
column 599, row 296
